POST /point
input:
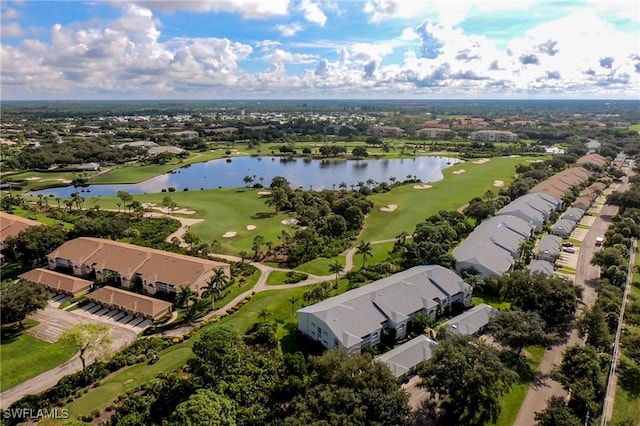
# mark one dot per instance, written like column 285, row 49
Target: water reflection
column 320, row 174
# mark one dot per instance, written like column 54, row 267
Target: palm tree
column 243, row 255
column 293, row 300
column 185, row 294
column 264, row 314
column 247, row 180
column 335, row 268
column 364, row 248
column 214, row 286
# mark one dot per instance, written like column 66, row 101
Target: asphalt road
column 587, row 276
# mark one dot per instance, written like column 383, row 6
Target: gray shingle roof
column 563, row 227
column 402, row 359
column 361, row 311
column 550, row 244
column 573, row 214
column 471, row 321
column 494, row 243
column 541, row 266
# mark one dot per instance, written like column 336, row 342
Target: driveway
column 52, row 323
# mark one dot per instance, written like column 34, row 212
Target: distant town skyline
column 320, row 49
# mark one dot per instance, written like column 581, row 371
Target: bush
column 172, row 189
column 295, row 277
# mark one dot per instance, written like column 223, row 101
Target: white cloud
column 252, row 9
column 280, row 56
column 8, row 13
column 289, row 30
column 312, row 12
column 11, row 30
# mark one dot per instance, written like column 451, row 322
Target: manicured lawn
column 129, row 378
column 512, row 401
column 320, row 266
column 41, row 217
column 223, row 210
column 635, row 127
column 276, row 278
column 45, row 178
column 23, row 356
column 490, row 300
column 380, row 254
column 415, row 205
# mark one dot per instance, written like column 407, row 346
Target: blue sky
column 224, row 49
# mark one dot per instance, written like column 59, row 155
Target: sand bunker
column 251, row 227
column 289, row 221
column 66, row 181
column 148, row 205
column 33, row 178
column 264, row 193
column 459, row 172
column 422, row 186
column 481, row 161
column 229, row 234
column 498, row 183
column 389, row 208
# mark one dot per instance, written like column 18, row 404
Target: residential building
column 57, row 282
column 561, row 183
column 356, row 319
column 493, row 136
column 541, row 266
column 535, row 209
column 174, row 150
column 156, row 270
column 435, row 133
column 494, row 246
column 403, row 360
column 583, row 202
column 139, row 144
column 549, row 248
column 133, row 304
column 387, row 131
column 11, row 225
column 563, row 227
column 573, row 214
column 593, row 159
column 472, row 322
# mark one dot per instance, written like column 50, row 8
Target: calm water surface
column 307, row 173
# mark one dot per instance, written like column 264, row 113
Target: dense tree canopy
column 31, row 246
column 19, row 299
column 468, row 379
column 554, row 298
column 517, row 329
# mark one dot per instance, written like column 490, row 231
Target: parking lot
column 114, row 316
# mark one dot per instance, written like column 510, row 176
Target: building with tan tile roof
column 131, row 303
column 561, row 183
column 11, row 225
column 157, row 270
column 57, row 282
column 595, row 159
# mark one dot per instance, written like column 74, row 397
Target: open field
column 415, row 205
column 23, row 356
column 41, row 217
column 635, row 127
column 36, row 179
column 319, row 266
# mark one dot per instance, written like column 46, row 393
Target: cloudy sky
column 224, row 49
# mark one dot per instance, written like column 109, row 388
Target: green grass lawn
column 625, row 406
column 319, row 266
column 276, row 278
column 380, row 253
column 227, row 209
column 512, row 400
column 35, row 179
column 635, row 127
column 41, row 217
column 23, row 357
column 490, row 300
column 127, row 379
column 415, row 205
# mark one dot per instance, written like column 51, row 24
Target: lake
column 301, row 172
